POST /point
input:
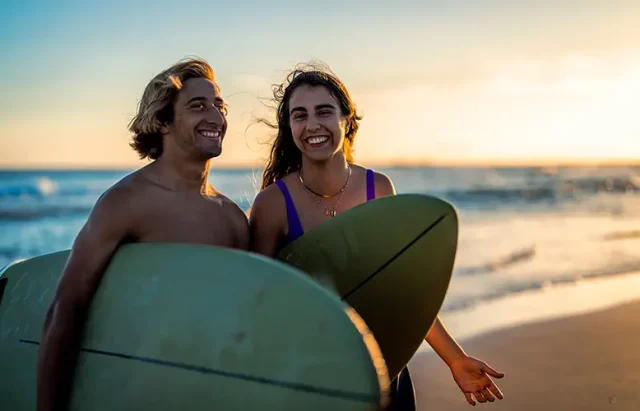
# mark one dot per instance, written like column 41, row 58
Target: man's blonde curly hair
column 156, row 106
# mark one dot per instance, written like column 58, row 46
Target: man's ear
column 164, row 128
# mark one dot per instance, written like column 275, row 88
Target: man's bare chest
column 200, row 221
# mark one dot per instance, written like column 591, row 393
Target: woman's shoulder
column 382, row 182
column 267, row 219
column 269, row 196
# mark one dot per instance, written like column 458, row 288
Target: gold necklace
column 325, row 195
column 328, row 211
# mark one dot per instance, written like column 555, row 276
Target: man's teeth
column 210, row 134
column 317, row 140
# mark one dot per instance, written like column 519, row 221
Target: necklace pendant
column 330, row 212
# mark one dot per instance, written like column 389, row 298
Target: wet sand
column 585, row 362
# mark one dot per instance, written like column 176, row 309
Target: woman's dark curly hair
column 285, row 157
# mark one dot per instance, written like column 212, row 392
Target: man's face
column 199, row 122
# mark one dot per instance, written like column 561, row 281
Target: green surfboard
column 390, row 259
column 186, row 327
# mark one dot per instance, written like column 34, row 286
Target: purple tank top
column 295, row 227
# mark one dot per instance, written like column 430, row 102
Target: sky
column 462, row 81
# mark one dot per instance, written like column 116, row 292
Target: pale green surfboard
column 185, row 327
column 391, row 259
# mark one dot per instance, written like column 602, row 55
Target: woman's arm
column 443, row 343
column 471, row 375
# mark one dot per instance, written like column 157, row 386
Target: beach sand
column 584, row 362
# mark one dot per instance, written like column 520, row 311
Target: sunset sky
column 458, row 81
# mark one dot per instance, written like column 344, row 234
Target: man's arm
column 243, row 238
column 107, row 225
column 240, row 225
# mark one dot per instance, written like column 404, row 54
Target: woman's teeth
column 317, row 140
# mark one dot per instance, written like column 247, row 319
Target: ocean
column 521, row 229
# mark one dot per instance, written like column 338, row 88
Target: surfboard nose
column 391, row 259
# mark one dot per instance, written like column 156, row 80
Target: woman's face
column 317, row 124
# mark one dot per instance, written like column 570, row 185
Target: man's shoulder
column 123, row 197
column 113, row 212
column 228, row 204
column 238, row 218
column 230, row 208
column 122, row 190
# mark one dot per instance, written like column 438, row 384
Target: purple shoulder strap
column 295, row 227
column 371, row 188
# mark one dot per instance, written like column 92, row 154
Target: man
column 180, row 125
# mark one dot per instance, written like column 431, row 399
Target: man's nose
column 215, row 115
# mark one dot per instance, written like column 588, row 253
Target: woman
column 310, row 177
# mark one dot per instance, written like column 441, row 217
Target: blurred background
column 522, row 114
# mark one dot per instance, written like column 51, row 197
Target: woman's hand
column 474, row 379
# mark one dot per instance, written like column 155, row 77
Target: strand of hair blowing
column 285, row 157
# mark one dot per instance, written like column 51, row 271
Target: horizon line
column 482, row 163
